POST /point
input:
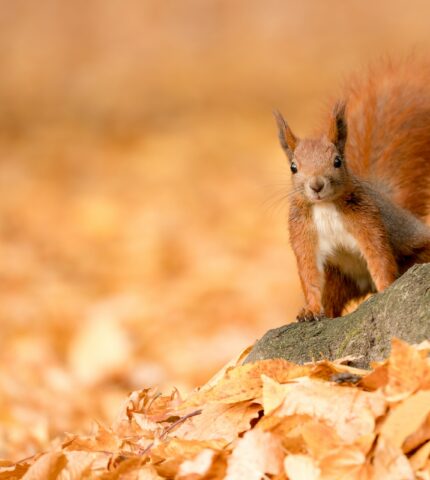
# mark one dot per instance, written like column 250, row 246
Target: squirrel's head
column 317, row 164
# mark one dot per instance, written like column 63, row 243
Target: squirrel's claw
column 309, row 316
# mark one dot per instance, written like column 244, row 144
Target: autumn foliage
column 269, row 419
column 142, row 229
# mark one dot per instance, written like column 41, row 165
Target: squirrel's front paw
column 306, row 315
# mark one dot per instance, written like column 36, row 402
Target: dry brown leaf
column 389, row 462
column 327, row 431
column 408, row 370
column 130, row 469
column 324, row 369
column 244, row 382
column 216, row 471
column 147, row 472
column 334, row 458
column 355, row 412
column 423, row 474
column 347, row 463
column 320, row 439
column 219, row 421
column 186, row 449
column 377, row 378
column 148, row 402
column 48, row 466
column 256, row 454
column 11, row 470
column 404, row 419
column 103, row 439
column 167, row 456
column 145, row 425
column 301, row 467
column 79, row 464
column 289, row 429
column 198, row 466
column 418, row 437
column 419, row 459
column 234, row 362
column 273, row 395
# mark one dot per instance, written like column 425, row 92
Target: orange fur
column 388, row 119
column 362, row 188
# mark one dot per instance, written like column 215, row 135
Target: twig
column 170, row 428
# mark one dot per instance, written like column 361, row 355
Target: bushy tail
column 388, row 116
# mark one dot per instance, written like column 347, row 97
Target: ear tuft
column 286, row 137
column 338, row 127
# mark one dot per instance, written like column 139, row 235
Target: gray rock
column 402, row 311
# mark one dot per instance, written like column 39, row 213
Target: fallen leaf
column 11, row 470
column 244, row 382
column 418, row 437
column 389, row 462
column 405, row 418
column 47, row 467
column 274, row 394
column 376, row 379
column 355, row 412
column 78, row 465
column 320, row 439
column 419, row 459
column 257, row 454
column 167, row 456
column 346, row 463
column 408, row 370
column 324, row 369
column 103, row 439
column 199, row 465
column 234, row 362
column 219, row 421
column 301, row 467
column 289, row 429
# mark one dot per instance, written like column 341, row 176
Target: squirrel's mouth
column 319, row 197
column 316, row 197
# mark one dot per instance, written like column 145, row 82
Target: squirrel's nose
column 316, row 184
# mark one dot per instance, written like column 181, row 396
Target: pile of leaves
column 269, row 419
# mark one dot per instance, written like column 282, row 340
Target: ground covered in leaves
column 142, row 212
column 269, row 419
column 125, row 264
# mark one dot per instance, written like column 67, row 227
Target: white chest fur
column 332, row 233
column 337, row 245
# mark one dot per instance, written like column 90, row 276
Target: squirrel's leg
column 338, row 291
column 303, row 240
column 310, row 278
column 375, row 246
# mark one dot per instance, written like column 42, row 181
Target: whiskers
column 277, row 201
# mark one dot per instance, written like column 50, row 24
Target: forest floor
column 269, row 419
column 133, row 261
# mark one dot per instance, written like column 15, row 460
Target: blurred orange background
column 142, row 209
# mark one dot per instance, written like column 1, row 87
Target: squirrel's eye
column 293, row 167
column 337, row 162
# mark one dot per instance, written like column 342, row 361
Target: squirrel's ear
column 286, row 137
column 338, row 128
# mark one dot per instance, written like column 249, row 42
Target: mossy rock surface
column 401, row 311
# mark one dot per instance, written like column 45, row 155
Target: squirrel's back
column 388, row 118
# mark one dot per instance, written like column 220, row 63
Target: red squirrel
column 361, row 188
